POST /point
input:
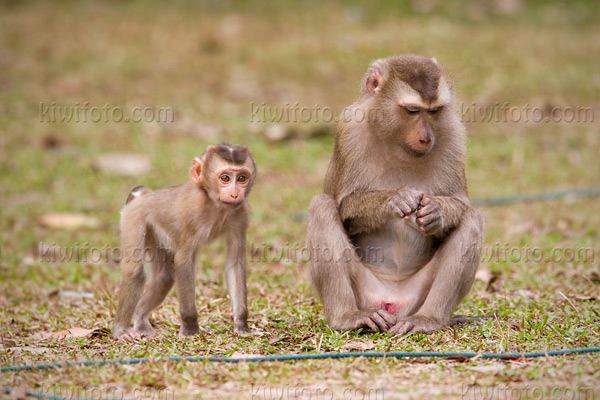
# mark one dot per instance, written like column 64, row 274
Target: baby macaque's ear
column 196, row 171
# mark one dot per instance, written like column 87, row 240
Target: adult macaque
column 394, row 241
column 167, row 226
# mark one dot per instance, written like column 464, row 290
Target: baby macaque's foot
column 189, row 330
column 129, row 335
column 143, row 328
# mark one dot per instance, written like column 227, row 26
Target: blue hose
column 296, row 357
column 292, row 357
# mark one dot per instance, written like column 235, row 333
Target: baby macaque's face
column 233, row 184
column 227, row 182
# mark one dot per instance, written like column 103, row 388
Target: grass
column 208, row 62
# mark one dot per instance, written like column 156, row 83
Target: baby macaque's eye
column 225, row 178
column 434, row 110
column 242, row 179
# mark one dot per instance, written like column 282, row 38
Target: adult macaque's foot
column 375, row 319
column 414, row 324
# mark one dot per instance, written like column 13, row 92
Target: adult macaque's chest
column 398, row 248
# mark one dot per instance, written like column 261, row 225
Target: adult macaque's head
column 411, row 93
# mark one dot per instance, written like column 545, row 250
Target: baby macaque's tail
column 137, row 192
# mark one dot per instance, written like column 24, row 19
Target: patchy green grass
column 209, row 62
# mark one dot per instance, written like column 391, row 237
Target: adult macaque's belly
column 394, row 277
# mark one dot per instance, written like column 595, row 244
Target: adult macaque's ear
column 196, row 171
column 374, row 80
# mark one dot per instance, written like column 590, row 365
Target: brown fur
column 168, row 226
column 137, row 191
column 430, row 249
column 234, row 154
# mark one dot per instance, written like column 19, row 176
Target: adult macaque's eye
column 242, row 179
column 225, row 178
column 433, row 111
column 411, row 110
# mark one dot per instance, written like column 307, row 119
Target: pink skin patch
column 392, row 308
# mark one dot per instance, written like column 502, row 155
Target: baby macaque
column 164, row 230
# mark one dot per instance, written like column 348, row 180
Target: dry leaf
column 362, row 346
column 68, row 221
column 275, row 339
column 209, row 132
column 457, row 358
column 29, row 349
column 70, row 293
column 127, row 164
column 527, row 293
column 279, row 132
column 516, row 325
column 583, row 298
column 72, row 333
column 518, row 228
column 191, row 128
column 487, row 368
column 18, row 393
column 51, row 141
column 483, row 275
column 231, row 25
